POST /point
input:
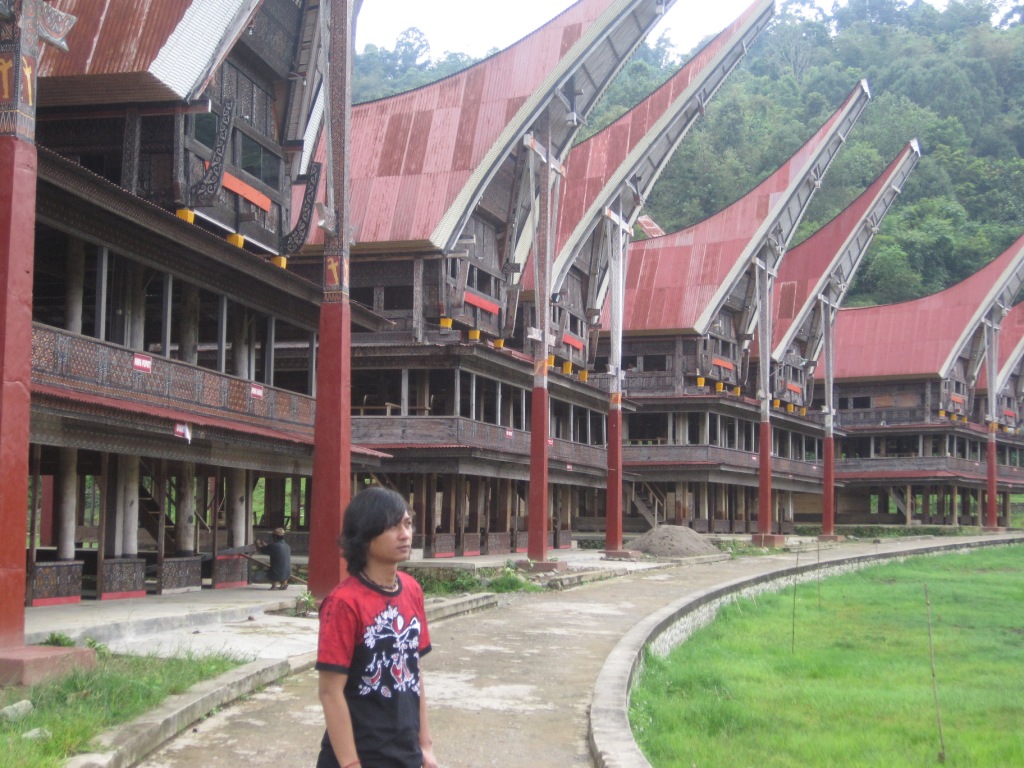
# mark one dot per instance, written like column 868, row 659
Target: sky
column 476, row 26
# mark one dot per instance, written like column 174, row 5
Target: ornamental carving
column 296, row 238
column 206, row 190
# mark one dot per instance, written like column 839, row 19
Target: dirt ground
column 672, row 541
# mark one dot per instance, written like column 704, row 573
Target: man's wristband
column 353, row 764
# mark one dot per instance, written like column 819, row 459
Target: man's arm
column 426, row 739
column 339, row 721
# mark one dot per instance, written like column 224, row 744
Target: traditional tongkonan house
column 916, row 447
column 452, row 185
column 607, row 179
column 171, row 366
column 812, row 282
column 699, row 446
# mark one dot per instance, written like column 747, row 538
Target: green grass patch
column 848, row 681
column 741, row 548
column 890, row 531
column 439, row 582
column 77, row 708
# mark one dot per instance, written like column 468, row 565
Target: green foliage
column 305, row 604
column 78, row 707
column 890, row 531
column 100, row 649
column 848, row 682
column 740, row 548
column 379, row 72
column 58, row 639
column 439, row 582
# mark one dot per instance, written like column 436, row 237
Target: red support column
column 613, row 524
column 20, row 35
column 992, row 485
column 17, row 246
column 537, row 515
column 332, row 481
column 764, row 486
column 332, row 430
column 828, row 500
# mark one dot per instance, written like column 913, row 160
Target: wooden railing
column 713, row 454
column 456, row 431
column 883, row 417
column 93, row 368
column 963, row 467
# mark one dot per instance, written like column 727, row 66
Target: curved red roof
column 592, row 163
column 414, row 153
column 806, row 267
column 917, row 338
column 673, row 281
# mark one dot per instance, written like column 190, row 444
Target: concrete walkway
column 511, row 686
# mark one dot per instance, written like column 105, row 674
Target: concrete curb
column 129, row 743
column 610, row 737
column 115, row 630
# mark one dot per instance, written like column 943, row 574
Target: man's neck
column 381, row 573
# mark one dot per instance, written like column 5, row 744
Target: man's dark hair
column 371, row 512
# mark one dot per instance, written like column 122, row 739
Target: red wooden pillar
column 537, row 515
column 828, row 500
column 764, row 492
column 17, row 241
column 332, row 482
column 613, row 521
column 332, row 430
column 992, row 486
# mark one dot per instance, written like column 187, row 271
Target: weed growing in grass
column 58, row 639
column 305, row 604
column 855, row 687
column 738, row 548
column 78, row 707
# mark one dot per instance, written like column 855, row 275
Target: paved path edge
column 127, row 744
column 610, row 737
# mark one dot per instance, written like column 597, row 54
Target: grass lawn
column 848, row 681
column 79, row 707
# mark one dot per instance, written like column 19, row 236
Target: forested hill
column 952, row 79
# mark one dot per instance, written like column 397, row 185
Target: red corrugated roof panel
column 672, row 280
column 803, row 267
column 113, row 36
column 593, row 162
column 122, row 51
column 915, row 338
column 413, row 153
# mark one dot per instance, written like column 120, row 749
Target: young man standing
column 373, row 631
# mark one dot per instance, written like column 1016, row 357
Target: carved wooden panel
column 123, row 575
column 470, row 543
column 181, row 573
column 56, row 580
column 497, row 543
column 441, row 544
column 230, row 569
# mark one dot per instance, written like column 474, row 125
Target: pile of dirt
column 672, row 541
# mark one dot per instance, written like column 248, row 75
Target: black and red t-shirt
column 376, row 638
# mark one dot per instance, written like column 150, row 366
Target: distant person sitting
column 280, row 559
